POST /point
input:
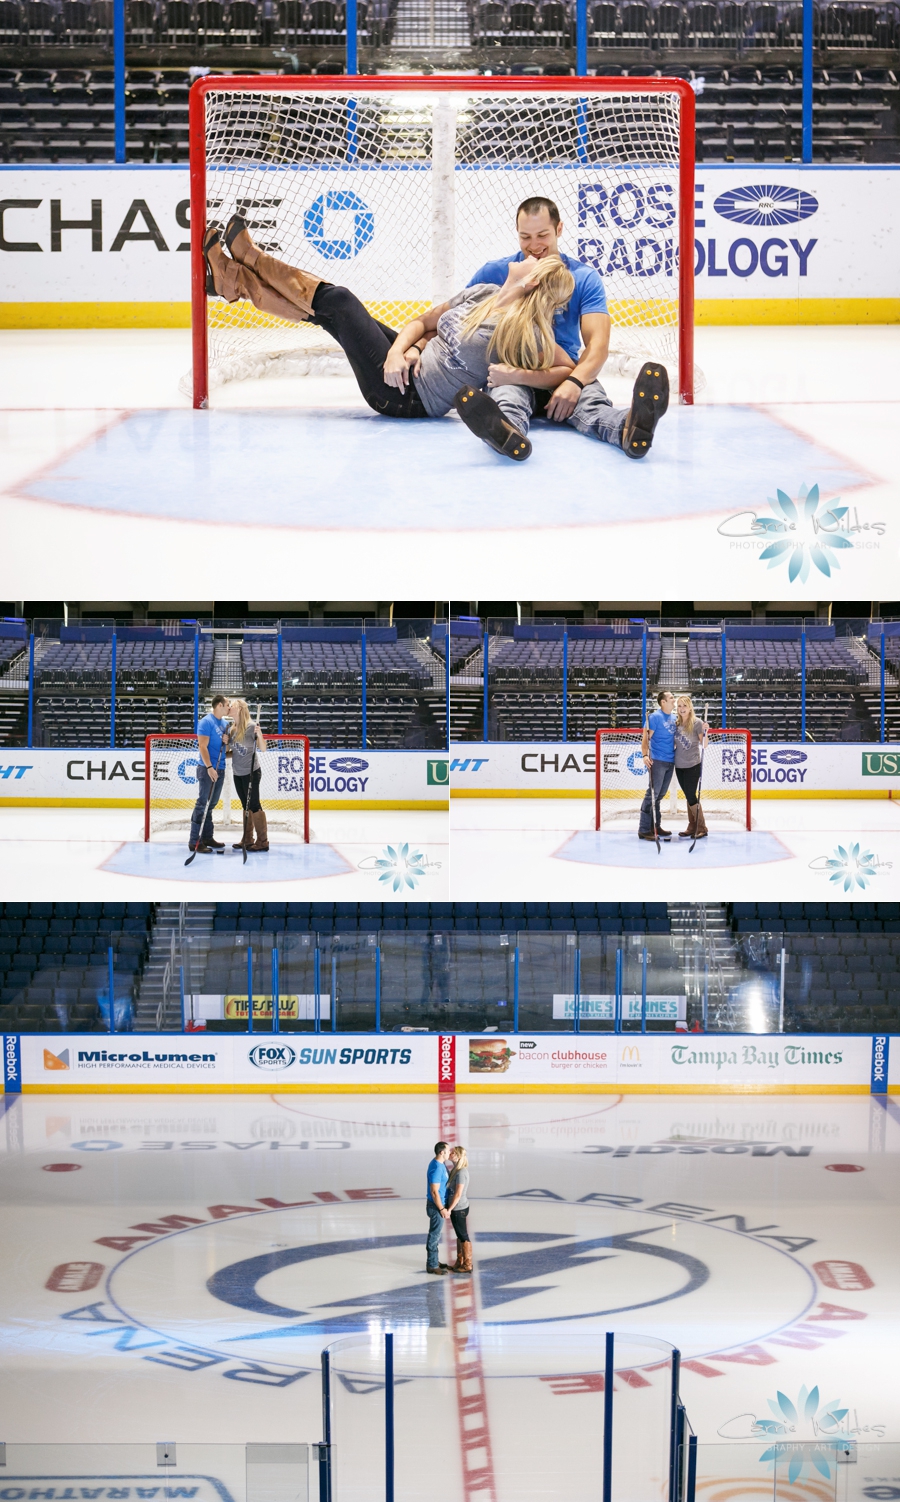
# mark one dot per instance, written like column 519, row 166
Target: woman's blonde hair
column 690, row 719
column 462, row 1158
column 240, row 718
column 523, row 333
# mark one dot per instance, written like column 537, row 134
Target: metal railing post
column 803, row 684
column 250, row 988
column 447, row 686
column 32, row 688
column 334, row 993
column 882, row 702
column 781, row 991
column 807, row 99
column 112, row 696
column 325, row 1446
column 181, row 990
column 516, row 990
column 363, row 658
column 378, row 988
column 617, row 1024
column 112, row 989
column 644, row 675
column 673, row 1426
column 576, row 1010
column 389, row 1417
column 644, row 989
column 119, row 78
column 724, row 679
column 692, row 1468
column 318, row 985
column 280, row 683
column 352, row 37
column 581, row 38
column 608, row 1380
column 276, row 998
column 565, row 673
column 484, row 675
column 196, row 676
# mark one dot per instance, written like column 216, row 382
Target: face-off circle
column 277, row 1285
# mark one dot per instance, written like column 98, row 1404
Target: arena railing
column 764, row 981
column 554, row 681
column 367, row 683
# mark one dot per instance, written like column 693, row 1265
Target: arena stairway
column 159, row 1000
column 708, row 924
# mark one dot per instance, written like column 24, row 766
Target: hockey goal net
column 170, row 786
column 400, row 188
column 621, row 779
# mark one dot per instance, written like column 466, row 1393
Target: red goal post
column 620, row 779
column 170, row 785
column 425, row 165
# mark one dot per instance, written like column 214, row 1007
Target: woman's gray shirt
column 687, row 747
column 462, row 1177
column 243, row 752
column 454, row 358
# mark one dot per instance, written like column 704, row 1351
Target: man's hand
column 563, row 401
column 445, row 1214
column 396, row 368
column 213, row 774
column 648, row 761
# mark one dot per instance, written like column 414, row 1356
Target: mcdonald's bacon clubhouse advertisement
column 596, row 1062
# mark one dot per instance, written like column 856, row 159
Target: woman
column 244, row 741
column 690, row 741
column 457, row 1202
column 443, row 359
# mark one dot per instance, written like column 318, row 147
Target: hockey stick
column 199, row 840
column 699, row 784
column 653, row 824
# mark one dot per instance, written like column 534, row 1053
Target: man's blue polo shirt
column 588, row 296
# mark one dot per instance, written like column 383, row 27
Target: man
column 211, row 737
column 436, row 1182
column 579, row 399
column 658, row 752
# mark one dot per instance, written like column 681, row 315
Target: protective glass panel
column 482, row 981
column 353, row 982
column 825, row 1463
column 415, row 981
column 220, row 973
column 204, row 1472
column 546, row 981
column 60, row 983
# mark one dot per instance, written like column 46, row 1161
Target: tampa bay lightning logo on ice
column 764, row 204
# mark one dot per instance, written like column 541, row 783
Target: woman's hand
column 413, row 358
column 396, row 368
column 506, row 375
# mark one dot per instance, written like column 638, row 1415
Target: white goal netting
column 171, row 786
column 622, row 780
column 402, row 195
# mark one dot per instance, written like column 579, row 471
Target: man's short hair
column 440, row 1147
column 218, row 699
column 661, row 695
column 534, row 206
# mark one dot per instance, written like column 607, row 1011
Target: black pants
column 688, row 777
column 365, row 342
column 458, row 1220
column 247, row 788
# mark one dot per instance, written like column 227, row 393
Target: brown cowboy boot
column 467, row 1256
column 232, row 281
column 262, row 834
column 459, row 1265
column 688, row 834
column 298, row 287
column 700, row 826
column 246, row 840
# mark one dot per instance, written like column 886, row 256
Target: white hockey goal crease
column 621, row 778
column 170, row 786
column 401, row 188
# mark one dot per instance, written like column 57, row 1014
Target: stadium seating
column 54, row 962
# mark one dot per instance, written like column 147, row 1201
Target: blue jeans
column 594, row 412
column 204, row 783
column 660, row 777
column 435, row 1232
